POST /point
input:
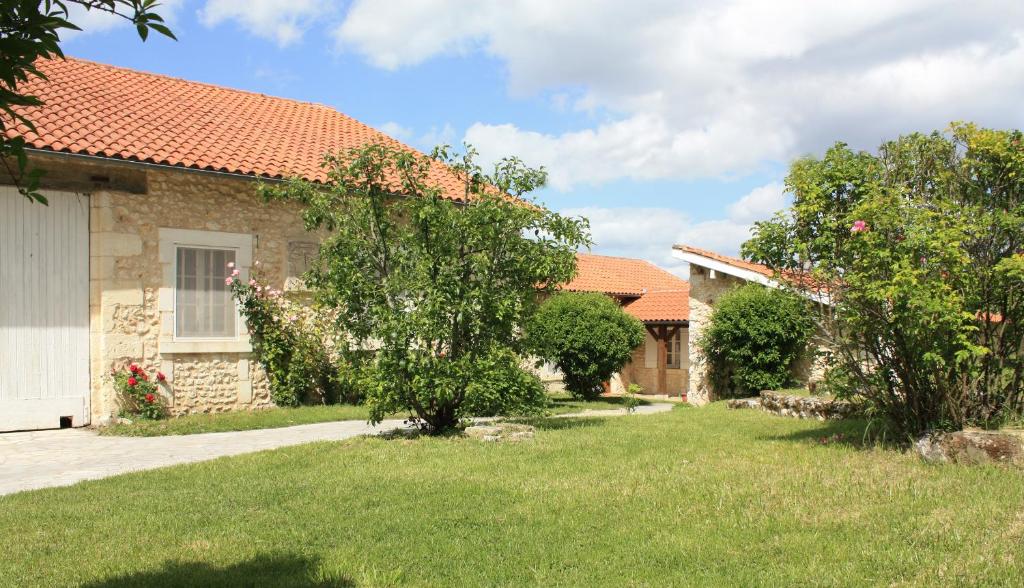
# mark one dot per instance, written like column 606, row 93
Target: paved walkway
column 41, row 459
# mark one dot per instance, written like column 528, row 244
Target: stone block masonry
column 129, row 291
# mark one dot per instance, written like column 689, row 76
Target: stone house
column 711, row 275
column 151, row 187
column 657, row 298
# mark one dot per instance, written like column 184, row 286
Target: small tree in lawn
column 440, row 289
column 588, row 336
column 753, row 337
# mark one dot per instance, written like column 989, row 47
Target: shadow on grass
column 263, row 570
column 856, row 433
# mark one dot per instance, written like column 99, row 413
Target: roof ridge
column 207, row 84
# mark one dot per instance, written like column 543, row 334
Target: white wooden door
column 44, row 311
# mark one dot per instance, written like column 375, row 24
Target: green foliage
column 920, row 248
column 630, row 401
column 296, row 347
column 439, row 290
column 587, row 335
column 30, row 30
column 137, row 394
column 503, row 387
column 753, row 337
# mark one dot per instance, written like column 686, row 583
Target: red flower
column 133, row 368
column 160, row 377
column 144, row 376
column 150, row 398
column 132, row 381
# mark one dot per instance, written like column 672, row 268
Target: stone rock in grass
column 973, row 447
column 744, row 403
column 500, row 432
column 805, row 407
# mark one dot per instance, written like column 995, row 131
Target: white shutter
column 650, row 352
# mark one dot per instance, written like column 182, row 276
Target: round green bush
column 752, row 339
column 587, row 336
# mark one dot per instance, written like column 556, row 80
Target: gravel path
column 41, row 459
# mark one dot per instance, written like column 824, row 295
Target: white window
column 675, row 350
column 203, row 307
column 197, row 312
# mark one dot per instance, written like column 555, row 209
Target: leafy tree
column 441, row 290
column 920, row 250
column 30, row 30
column 587, row 335
column 753, row 337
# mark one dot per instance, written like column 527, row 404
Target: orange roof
column 620, row 275
column 97, row 109
column 657, row 294
column 661, row 306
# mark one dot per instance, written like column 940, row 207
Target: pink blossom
column 252, row 282
column 293, row 318
column 229, row 281
column 231, row 265
column 859, row 227
column 234, row 272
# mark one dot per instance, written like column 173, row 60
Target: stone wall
column 801, row 407
column 126, row 276
column 705, row 289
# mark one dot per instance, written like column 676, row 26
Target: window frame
column 674, row 352
column 171, row 240
column 238, row 317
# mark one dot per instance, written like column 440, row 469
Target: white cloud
column 281, row 21
column 706, row 88
column 759, row 204
column 396, row 130
column 649, row 233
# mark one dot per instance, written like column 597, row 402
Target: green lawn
column 691, row 497
column 285, row 417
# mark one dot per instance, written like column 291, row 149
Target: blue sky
column 662, row 121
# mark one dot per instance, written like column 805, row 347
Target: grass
column 285, row 417
column 690, row 497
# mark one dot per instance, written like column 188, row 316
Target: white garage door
column 44, row 311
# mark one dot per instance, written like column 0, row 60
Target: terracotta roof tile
column 656, row 295
column 666, row 305
column 97, row 109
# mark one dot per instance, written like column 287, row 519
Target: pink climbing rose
column 229, row 281
column 859, row 226
column 231, row 265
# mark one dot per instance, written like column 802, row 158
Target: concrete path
column 41, row 459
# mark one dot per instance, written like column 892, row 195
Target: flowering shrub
column 137, row 394
column 918, row 252
column 293, row 344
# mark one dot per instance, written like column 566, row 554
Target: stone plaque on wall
column 301, row 255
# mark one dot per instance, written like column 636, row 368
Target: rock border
column 793, row 406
